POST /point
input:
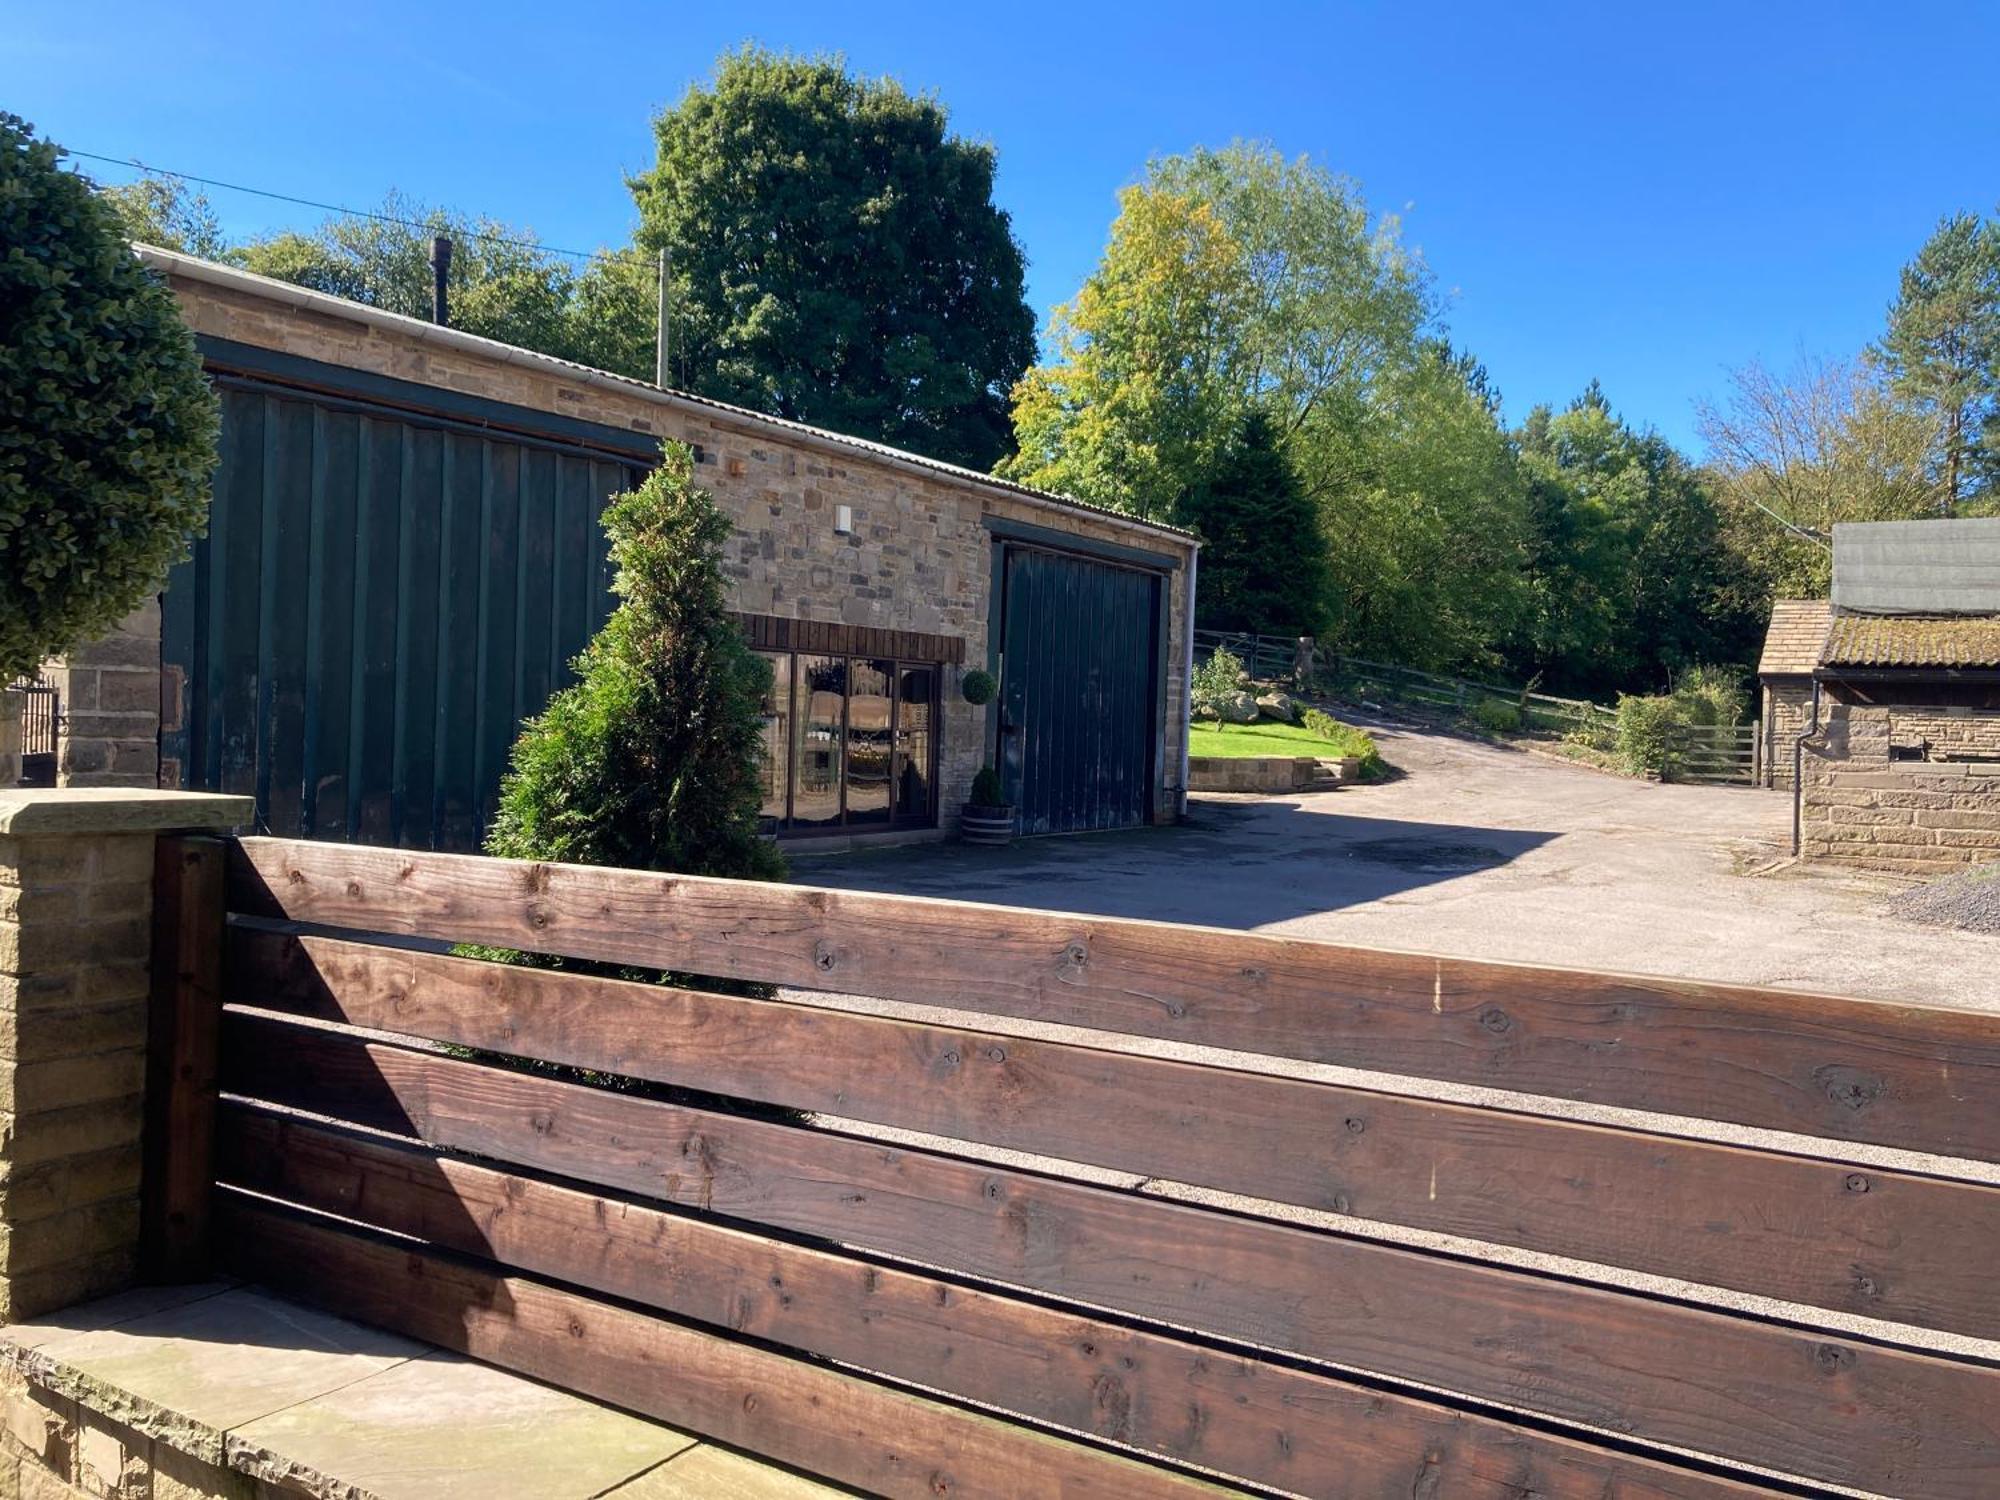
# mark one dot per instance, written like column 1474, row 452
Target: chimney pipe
column 440, row 275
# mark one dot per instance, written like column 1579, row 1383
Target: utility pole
column 440, row 276
column 661, row 344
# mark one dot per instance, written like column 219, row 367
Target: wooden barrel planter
column 986, row 825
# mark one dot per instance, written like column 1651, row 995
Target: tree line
column 1257, row 356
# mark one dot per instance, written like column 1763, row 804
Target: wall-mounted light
column 843, row 520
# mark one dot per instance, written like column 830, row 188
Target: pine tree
column 1942, row 347
column 1263, row 559
column 650, row 760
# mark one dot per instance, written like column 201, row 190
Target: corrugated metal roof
column 1792, row 645
column 174, row 263
column 1929, row 567
column 1958, row 641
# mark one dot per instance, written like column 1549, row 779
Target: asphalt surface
column 1478, row 851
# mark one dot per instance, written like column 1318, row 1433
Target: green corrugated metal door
column 1079, row 691
column 378, row 604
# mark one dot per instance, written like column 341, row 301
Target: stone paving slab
column 240, row 1388
column 448, row 1428
column 109, row 1312
column 188, row 1375
column 708, row 1473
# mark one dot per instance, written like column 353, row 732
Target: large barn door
column 380, row 600
column 1079, row 702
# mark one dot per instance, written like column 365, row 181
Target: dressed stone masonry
column 1913, row 817
column 918, row 557
column 76, row 912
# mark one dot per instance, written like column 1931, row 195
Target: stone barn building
column 1901, row 756
column 1785, row 683
column 404, row 555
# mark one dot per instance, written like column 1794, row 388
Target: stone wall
column 1912, row 817
column 1787, row 712
column 109, row 695
column 76, row 891
column 918, row 558
column 54, row 1447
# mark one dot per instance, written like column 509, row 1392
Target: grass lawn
column 1271, row 738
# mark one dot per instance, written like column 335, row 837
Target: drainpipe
column 1812, row 731
column 1187, row 675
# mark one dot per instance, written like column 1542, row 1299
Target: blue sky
column 1647, row 195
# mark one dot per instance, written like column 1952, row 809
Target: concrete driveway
column 1483, row 852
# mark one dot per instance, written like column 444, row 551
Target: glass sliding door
column 869, row 744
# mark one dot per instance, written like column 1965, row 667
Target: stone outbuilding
column 404, row 556
column 1901, row 758
column 1785, row 683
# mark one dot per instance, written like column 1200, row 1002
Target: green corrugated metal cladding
column 383, row 596
column 1080, row 691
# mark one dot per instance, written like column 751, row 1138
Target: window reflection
column 868, row 744
column 916, row 693
column 848, row 742
column 777, row 740
column 816, row 769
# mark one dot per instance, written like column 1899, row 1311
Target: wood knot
column 1076, row 955
column 1833, row 1358
column 824, row 958
column 1495, row 1020
column 1854, row 1088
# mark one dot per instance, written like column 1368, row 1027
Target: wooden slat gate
column 583, row 1178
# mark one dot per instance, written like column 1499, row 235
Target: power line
column 335, row 208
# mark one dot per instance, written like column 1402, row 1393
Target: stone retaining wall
column 1911, row 817
column 1249, row 773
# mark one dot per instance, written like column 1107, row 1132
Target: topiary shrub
column 1497, row 715
column 977, row 687
column 651, row 759
column 107, row 426
column 986, row 789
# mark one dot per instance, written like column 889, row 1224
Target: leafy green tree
column 107, row 426
column 1637, row 566
column 163, row 211
column 650, row 760
column 1422, row 506
column 837, row 256
column 1233, row 279
column 1264, row 560
column 1942, row 348
column 1136, row 406
column 499, row 286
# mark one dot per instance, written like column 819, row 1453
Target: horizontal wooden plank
column 839, row 1426
column 783, row 633
column 1887, row 1244
column 1816, row 1405
column 1271, row 1424
column 1927, row 1079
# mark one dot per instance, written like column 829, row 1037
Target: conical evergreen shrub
column 650, row 760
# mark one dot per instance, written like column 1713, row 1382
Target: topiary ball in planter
column 978, row 687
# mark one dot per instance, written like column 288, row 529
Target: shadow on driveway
column 1233, row 864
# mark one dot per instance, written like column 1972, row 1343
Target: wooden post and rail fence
column 1704, row 753
column 558, row 1173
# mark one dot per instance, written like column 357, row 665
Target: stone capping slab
column 239, row 1380
column 41, row 812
